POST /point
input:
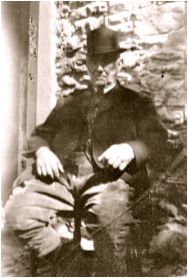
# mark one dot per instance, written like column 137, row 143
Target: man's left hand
column 117, row 156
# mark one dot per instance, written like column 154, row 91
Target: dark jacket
column 120, row 116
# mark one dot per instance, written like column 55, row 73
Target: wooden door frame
column 38, row 98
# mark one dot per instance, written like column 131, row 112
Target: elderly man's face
column 102, row 69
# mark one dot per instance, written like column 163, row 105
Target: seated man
column 89, row 163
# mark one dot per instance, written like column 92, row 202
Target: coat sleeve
column 43, row 134
column 151, row 143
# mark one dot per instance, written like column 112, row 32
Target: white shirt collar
column 107, row 88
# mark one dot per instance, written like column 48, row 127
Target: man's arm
column 152, row 136
column 150, row 144
column 39, row 143
column 44, row 133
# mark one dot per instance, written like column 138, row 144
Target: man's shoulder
column 133, row 95
column 78, row 97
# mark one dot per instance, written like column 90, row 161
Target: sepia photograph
column 94, row 132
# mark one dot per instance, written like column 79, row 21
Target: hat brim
column 108, row 51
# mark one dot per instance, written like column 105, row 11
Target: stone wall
column 154, row 33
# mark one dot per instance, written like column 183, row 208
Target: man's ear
column 119, row 64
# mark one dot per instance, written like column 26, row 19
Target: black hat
column 102, row 41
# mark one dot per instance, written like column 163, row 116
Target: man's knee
column 120, row 190
column 12, row 209
column 18, row 214
column 111, row 193
column 110, row 201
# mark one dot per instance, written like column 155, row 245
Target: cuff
column 141, row 152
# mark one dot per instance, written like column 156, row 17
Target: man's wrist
column 41, row 149
column 131, row 152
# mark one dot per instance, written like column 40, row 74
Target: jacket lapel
column 108, row 100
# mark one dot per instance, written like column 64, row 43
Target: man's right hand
column 48, row 163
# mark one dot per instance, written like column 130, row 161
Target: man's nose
column 100, row 68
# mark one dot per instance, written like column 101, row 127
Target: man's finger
column 43, row 170
column 55, row 170
column 113, row 159
column 59, row 165
column 123, row 166
column 101, row 157
column 117, row 163
column 104, row 162
column 104, row 156
column 39, row 170
column 108, row 154
column 49, row 171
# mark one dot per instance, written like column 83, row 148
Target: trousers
column 84, row 204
